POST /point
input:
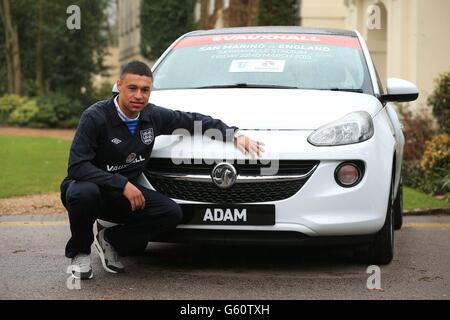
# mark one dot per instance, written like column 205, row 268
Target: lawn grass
column 31, row 165
column 413, row 199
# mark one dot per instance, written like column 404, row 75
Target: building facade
column 128, row 14
column 408, row 41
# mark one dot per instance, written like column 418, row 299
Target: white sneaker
column 81, row 267
column 107, row 253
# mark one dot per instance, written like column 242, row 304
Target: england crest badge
column 147, row 136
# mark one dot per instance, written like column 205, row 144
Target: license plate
column 231, row 215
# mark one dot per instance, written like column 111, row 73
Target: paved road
column 32, row 266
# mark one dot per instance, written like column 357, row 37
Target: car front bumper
column 321, row 208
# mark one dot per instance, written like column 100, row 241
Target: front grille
column 242, row 192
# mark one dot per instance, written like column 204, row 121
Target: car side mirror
column 399, row 90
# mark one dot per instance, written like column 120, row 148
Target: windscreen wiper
column 343, row 89
column 247, row 85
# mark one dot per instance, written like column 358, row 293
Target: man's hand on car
column 248, row 145
column 135, row 196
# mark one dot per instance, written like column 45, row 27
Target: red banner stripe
column 272, row 37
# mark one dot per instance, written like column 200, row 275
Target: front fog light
column 348, row 175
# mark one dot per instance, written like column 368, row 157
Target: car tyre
column 398, row 207
column 381, row 250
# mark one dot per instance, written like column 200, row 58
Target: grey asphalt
column 32, row 266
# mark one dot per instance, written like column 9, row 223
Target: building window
column 226, row 4
column 211, row 7
column 198, row 11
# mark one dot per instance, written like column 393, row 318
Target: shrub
column 23, row 114
column 94, row 94
column 70, row 123
column 445, row 186
column 52, row 110
column 412, row 174
column 56, row 109
column 440, row 101
column 8, row 104
column 64, row 107
column 436, row 162
column 437, row 153
column 46, row 117
column 417, row 130
column 414, row 177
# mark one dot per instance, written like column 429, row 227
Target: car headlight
column 353, row 128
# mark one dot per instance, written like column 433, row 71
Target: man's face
column 134, row 93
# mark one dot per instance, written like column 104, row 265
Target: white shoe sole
column 102, row 256
column 83, row 278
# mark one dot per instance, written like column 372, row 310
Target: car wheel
column 398, row 207
column 381, row 250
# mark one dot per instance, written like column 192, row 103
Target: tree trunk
column 12, row 48
column 40, row 79
column 7, row 53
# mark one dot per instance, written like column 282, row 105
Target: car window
column 291, row 60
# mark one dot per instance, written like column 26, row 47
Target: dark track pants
column 86, row 202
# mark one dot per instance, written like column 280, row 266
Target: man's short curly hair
column 138, row 68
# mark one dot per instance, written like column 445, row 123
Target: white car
column 331, row 171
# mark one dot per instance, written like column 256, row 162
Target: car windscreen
column 302, row 61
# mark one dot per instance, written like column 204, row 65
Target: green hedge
column 24, row 113
column 57, row 110
column 277, row 13
column 54, row 110
column 50, row 111
column 8, row 104
column 432, row 173
column 162, row 22
column 440, row 101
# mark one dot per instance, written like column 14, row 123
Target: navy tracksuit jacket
column 106, row 153
column 104, row 156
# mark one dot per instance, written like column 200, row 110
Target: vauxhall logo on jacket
column 131, row 159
